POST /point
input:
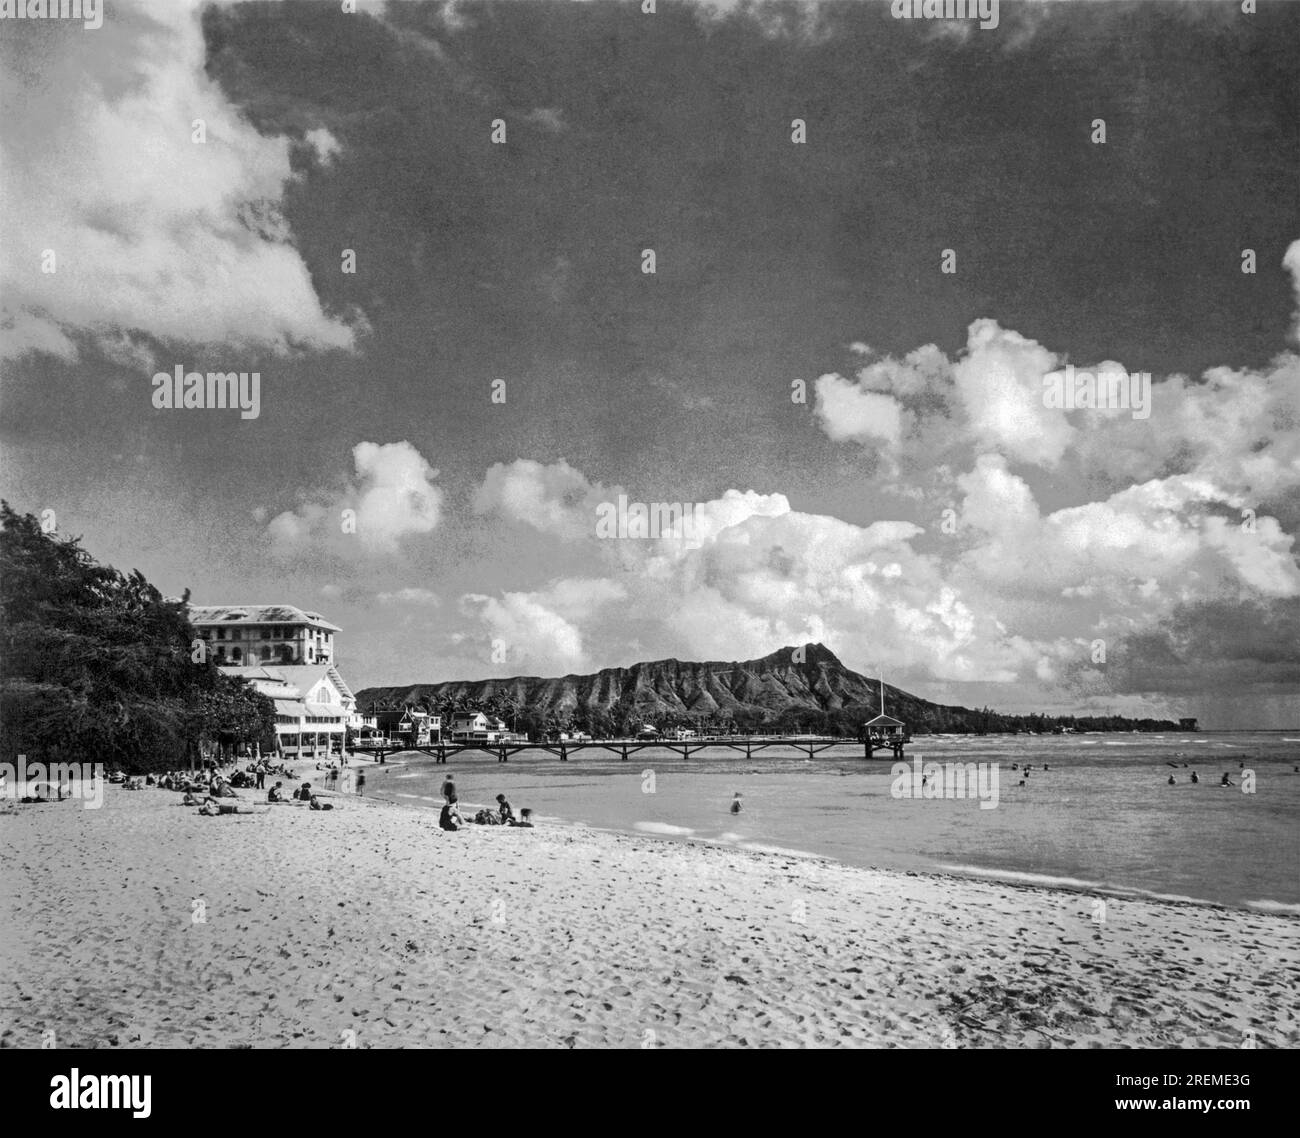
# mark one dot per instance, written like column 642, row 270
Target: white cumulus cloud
column 146, row 229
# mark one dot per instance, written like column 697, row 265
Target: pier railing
column 749, row 745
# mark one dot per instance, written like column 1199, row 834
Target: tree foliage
column 97, row 666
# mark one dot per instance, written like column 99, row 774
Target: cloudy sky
column 864, row 435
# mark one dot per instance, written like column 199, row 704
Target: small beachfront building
column 410, row 725
column 468, row 723
column 884, row 728
column 479, row 727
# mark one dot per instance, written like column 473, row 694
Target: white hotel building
column 287, row 655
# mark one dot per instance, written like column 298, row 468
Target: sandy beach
column 142, row 924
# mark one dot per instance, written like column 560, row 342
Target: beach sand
column 142, row 924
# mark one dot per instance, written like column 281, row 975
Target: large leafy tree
column 97, row 666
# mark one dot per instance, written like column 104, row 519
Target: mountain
column 813, row 692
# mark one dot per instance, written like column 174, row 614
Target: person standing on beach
column 449, row 788
column 361, row 783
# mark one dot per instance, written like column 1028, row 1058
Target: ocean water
column 1103, row 817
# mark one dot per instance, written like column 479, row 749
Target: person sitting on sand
column 317, row 804
column 504, row 810
column 275, row 794
column 525, row 819
column 303, row 792
column 449, row 818
column 212, row 807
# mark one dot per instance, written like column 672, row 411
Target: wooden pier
column 749, row 745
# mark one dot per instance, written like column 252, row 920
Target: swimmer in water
column 1226, row 780
column 735, row 804
column 1194, row 777
column 1171, row 780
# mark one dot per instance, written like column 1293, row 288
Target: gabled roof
column 304, row 677
column 258, row 614
column 884, row 721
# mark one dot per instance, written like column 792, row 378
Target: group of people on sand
column 300, row 794
column 211, row 792
column 450, row 818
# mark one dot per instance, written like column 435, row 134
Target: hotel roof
column 258, row 614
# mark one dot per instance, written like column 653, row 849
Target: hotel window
column 221, row 634
column 266, row 652
column 235, row 654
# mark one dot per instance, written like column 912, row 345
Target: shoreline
column 369, row 919
column 1006, row 877
column 667, row 830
